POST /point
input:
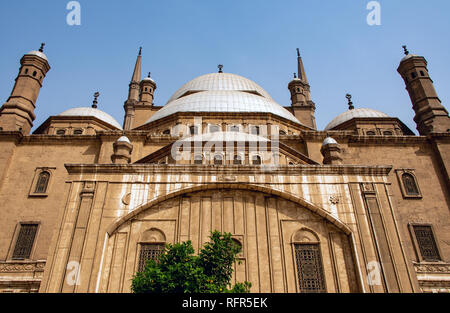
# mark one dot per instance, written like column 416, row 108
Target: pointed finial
column 94, row 104
column 140, row 50
column 41, row 49
column 405, row 50
column 220, row 66
column 350, row 103
column 149, row 74
column 295, row 75
column 298, row 52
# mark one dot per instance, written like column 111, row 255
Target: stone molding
column 20, row 267
column 228, row 169
column 432, row 268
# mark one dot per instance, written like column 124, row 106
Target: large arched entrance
column 288, row 245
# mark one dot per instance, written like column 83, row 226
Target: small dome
column 148, row 79
column 105, row 117
column 329, row 141
column 351, row 114
column 39, row 54
column 409, row 56
column 124, row 139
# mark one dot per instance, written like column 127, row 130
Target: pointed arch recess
column 249, row 187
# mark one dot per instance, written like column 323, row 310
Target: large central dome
column 222, row 92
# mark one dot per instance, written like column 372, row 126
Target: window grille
column 218, row 160
column 25, row 241
column 426, row 242
column 237, row 160
column 310, row 268
column 410, row 185
column 149, row 252
column 198, row 159
column 256, row 160
column 42, row 183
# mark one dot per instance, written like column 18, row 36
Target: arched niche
column 153, row 235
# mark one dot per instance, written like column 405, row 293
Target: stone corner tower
column 431, row 116
column 17, row 114
column 303, row 107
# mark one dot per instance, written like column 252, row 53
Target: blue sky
column 183, row 39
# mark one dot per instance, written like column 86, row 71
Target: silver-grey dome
column 124, row 139
column 39, row 54
column 105, row 117
column 329, row 141
column 406, row 57
column 220, row 81
column 350, row 114
column 223, row 101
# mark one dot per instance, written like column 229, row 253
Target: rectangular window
column 25, row 241
column 426, row 243
column 311, row 278
column 149, row 252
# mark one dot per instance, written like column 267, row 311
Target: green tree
column 178, row 270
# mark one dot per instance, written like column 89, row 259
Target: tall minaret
column 431, row 116
column 17, row 114
column 133, row 94
column 302, row 106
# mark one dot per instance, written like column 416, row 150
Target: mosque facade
column 359, row 207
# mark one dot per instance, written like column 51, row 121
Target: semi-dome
column 105, row 117
column 223, row 101
column 39, row 54
column 350, row 114
column 220, row 81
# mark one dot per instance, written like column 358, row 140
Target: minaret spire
column 137, row 68
column 303, row 107
column 301, row 68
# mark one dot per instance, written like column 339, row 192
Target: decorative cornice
column 432, row 268
column 19, row 267
column 227, row 169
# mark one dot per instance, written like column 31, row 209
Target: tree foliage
column 178, row 270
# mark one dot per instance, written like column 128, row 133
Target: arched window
column 238, row 243
column 218, row 159
column 234, row 128
column 78, row 132
column 255, row 130
column 387, row 133
column 309, row 264
column 152, row 245
column 237, row 160
column 370, row 133
column 198, row 159
column 214, row 128
column 61, row 132
column 166, row 132
column 409, row 183
column 256, row 160
column 34, row 74
column 282, row 133
column 42, row 182
column 193, row 130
